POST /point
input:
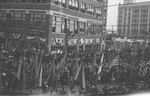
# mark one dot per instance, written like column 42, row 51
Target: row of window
column 62, row 2
column 2, row 20
column 36, row 22
column 61, row 25
column 39, row 1
column 101, row 1
column 24, row 1
column 74, row 5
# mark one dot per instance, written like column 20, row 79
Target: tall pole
column 1, row 62
column 67, row 35
column 112, row 36
column 103, row 26
column 24, row 72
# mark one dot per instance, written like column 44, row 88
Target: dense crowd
column 129, row 71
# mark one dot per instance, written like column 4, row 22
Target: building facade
column 33, row 22
column 134, row 20
column 129, row 1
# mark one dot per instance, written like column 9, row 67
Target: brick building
column 133, row 20
column 27, row 23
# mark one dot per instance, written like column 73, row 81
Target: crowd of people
column 133, row 69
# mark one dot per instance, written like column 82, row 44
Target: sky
column 113, row 13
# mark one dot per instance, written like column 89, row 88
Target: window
column 98, row 11
column 98, row 28
column 76, row 26
column 62, row 2
column 91, row 28
column 54, row 24
column 2, row 19
column 101, row 1
column 18, row 20
column 37, row 22
column 71, row 25
column 68, row 24
column 36, row 1
column 57, row 24
column 73, row 4
column 73, row 28
column 90, row 9
column 76, row 4
column 63, row 24
column 83, row 7
column 82, row 26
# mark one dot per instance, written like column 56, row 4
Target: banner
column 57, row 41
column 36, row 38
column 16, row 35
column 81, row 41
column 72, row 41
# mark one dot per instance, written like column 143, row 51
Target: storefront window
column 18, row 20
column 57, row 24
column 37, row 22
column 71, row 25
column 2, row 19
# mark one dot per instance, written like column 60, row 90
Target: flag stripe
column 114, row 62
column 101, row 64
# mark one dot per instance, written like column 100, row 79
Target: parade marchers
column 34, row 69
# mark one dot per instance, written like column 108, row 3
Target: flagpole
column 24, row 73
column 1, row 63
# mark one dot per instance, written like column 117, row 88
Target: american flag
column 143, row 68
column 148, row 63
column 101, row 64
column 114, row 62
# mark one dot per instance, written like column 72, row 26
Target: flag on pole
column 33, row 67
column 83, row 78
column 93, row 64
column 50, row 71
column 143, row 68
column 75, row 65
column 77, row 73
column 101, row 64
column 80, row 76
column 148, row 63
column 38, row 66
column 18, row 75
column 40, row 77
column 20, row 69
column 61, row 65
column 114, row 62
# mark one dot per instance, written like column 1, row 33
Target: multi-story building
column 30, row 22
column 129, row 1
column 134, row 20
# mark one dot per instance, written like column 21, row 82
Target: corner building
column 29, row 23
column 134, row 20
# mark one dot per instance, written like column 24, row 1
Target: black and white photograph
column 74, row 48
